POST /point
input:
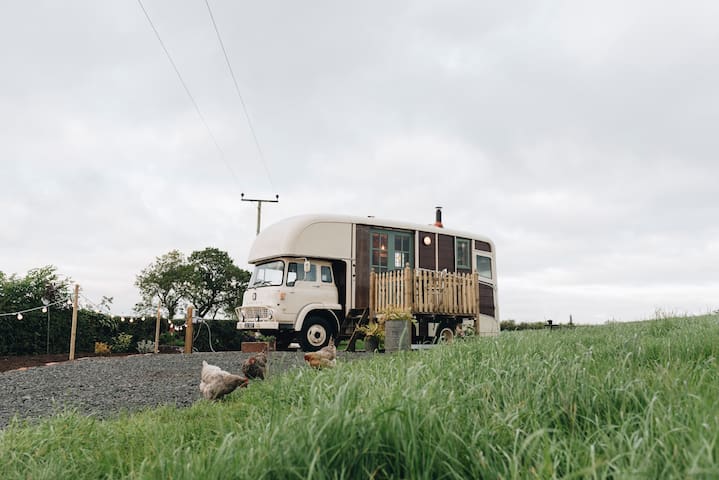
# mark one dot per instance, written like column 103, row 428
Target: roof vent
column 438, row 218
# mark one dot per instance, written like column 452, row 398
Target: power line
column 237, row 89
column 187, row 91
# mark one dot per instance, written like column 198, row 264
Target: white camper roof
column 327, row 236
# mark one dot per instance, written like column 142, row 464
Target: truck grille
column 252, row 313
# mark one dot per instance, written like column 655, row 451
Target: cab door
column 303, row 288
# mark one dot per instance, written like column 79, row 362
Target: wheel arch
column 325, row 311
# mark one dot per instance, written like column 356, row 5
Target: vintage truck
column 317, row 276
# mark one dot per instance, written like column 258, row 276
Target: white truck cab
column 288, row 295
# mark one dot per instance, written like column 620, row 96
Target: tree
column 40, row 286
column 214, row 282
column 165, row 281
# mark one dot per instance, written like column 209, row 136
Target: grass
column 614, row 401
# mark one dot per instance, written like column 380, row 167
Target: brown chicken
column 323, row 358
column 255, row 366
column 215, row 383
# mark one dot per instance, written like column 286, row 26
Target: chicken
column 323, row 358
column 216, row 383
column 255, row 366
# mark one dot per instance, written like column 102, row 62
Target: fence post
column 477, row 303
column 73, row 328
column 188, row 331
column 372, row 299
column 157, row 331
column 408, row 284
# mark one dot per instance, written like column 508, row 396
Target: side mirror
column 307, row 266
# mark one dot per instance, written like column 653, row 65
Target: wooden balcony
column 425, row 292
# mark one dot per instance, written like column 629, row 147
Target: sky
column 580, row 136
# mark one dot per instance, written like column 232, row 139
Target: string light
column 19, row 316
column 43, row 308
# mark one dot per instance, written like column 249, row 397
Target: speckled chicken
column 215, row 383
column 325, row 357
column 255, row 366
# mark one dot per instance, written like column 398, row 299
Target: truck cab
column 293, row 299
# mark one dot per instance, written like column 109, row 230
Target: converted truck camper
column 318, row 276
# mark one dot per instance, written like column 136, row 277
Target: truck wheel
column 445, row 334
column 315, row 333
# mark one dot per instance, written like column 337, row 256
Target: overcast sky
column 580, row 136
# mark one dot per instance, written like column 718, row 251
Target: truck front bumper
column 258, row 325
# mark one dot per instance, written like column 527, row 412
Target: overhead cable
column 237, row 89
column 187, row 90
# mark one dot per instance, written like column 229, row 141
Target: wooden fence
column 425, row 291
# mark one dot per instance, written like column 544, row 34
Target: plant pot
column 398, row 335
column 371, row 344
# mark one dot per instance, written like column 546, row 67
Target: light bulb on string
column 122, row 319
column 44, row 309
column 19, row 316
column 132, row 320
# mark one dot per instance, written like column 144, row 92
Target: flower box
column 257, row 347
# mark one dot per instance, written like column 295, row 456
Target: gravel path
column 104, row 386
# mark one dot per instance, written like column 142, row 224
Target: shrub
column 102, row 348
column 121, row 343
column 145, row 346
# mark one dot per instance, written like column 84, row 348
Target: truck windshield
column 268, row 274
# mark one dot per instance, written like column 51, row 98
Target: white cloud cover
column 578, row 135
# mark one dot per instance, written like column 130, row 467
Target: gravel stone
column 103, row 387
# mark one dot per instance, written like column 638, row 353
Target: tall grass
column 613, row 401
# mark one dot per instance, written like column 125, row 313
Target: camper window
column 270, row 273
column 463, row 253
column 484, row 266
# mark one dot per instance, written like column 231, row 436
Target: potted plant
column 398, row 325
column 373, row 334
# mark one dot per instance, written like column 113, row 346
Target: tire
column 316, row 333
column 445, row 334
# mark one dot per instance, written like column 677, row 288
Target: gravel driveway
column 104, row 386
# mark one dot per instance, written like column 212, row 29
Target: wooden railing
column 425, row 291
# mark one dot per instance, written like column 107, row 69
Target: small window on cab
column 310, row 276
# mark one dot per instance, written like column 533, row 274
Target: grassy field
column 614, row 401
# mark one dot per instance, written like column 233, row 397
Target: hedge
column 29, row 336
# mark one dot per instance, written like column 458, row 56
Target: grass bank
column 612, row 401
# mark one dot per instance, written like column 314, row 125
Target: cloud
column 579, row 136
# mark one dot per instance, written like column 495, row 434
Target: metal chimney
column 438, row 218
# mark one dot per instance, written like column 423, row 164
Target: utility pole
column 259, row 206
